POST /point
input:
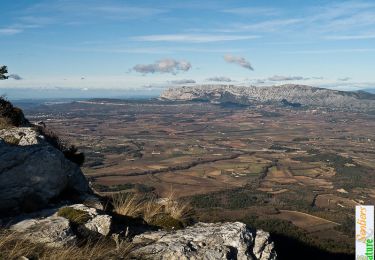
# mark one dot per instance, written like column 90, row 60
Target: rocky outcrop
column 21, row 136
column 67, row 225
column 32, row 172
column 285, row 94
column 96, row 223
column 52, row 231
column 206, row 241
column 58, row 227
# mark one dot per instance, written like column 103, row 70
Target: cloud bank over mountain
column 220, row 79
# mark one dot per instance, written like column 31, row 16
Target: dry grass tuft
column 127, row 204
column 14, row 247
column 5, row 123
column 177, row 209
column 151, row 209
column 133, row 205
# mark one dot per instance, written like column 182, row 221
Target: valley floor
column 303, row 168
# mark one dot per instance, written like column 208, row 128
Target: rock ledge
column 231, row 240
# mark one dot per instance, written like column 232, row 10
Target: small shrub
column 166, row 221
column 73, row 155
column 70, row 151
column 12, row 115
column 75, row 216
column 5, row 123
column 141, row 188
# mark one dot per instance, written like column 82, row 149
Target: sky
column 146, row 46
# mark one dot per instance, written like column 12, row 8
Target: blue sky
column 150, row 45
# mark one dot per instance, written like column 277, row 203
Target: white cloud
column 263, row 26
column 286, row 78
column 220, row 79
column 117, row 10
column 252, row 11
column 183, row 81
column 15, row 77
column 192, row 38
column 241, row 61
column 343, row 16
column 76, row 10
column 332, row 20
column 163, row 66
column 327, row 51
column 351, row 37
column 10, row 31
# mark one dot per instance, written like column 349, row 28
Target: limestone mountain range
column 299, row 95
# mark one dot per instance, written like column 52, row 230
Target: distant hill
column 369, row 90
column 286, row 95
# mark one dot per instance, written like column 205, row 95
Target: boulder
column 97, row 223
column 263, row 248
column 32, row 175
column 52, row 231
column 56, row 228
column 206, row 241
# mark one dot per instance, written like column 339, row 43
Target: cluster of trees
column 237, row 198
column 3, row 71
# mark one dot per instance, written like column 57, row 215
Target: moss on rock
column 75, row 216
column 12, row 140
column 165, row 221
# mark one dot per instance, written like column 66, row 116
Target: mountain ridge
column 288, row 93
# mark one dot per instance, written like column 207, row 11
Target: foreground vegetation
column 167, row 213
column 129, row 209
column 12, row 246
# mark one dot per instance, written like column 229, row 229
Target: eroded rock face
column 206, row 241
column 34, row 173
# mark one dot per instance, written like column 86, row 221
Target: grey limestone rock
column 34, row 173
column 206, row 241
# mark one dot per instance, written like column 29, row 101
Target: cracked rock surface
column 230, row 240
